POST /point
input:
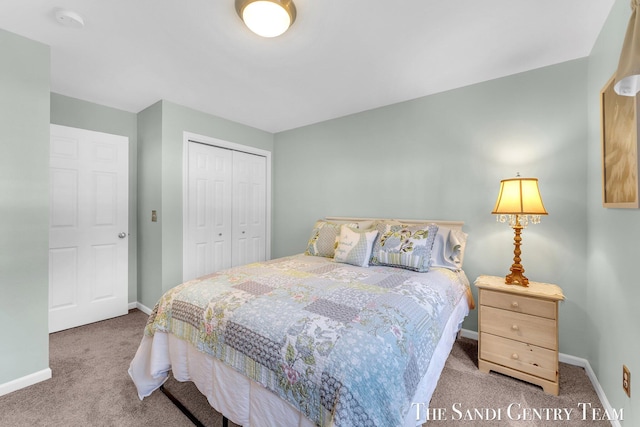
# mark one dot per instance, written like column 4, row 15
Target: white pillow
column 448, row 248
column 354, row 246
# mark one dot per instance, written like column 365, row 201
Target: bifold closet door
column 209, row 205
column 249, row 208
column 226, row 209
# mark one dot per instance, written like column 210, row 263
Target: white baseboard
column 570, row 360
column 466, row 333
column 584, row 363
column 143, row 308
column 25, row 381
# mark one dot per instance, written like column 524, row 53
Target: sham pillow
column 354, row 246
column 405, row 246
column 323, row 238
column 448, row 248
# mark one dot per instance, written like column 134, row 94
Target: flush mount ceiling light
column 267, row 18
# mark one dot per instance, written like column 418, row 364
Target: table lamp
column 519, row 203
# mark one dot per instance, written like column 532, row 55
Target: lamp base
column 516, row 278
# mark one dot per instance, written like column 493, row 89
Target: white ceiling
column 339, row 57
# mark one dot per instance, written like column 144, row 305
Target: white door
column 88, row 227
column 208, row 242
column 249, row 208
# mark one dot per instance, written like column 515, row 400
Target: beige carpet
column 463, row 387
column 91, row 387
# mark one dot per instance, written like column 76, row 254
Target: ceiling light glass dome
column 267, row 18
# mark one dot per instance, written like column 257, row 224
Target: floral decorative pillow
column 354, row 246
column 405, row 246
column 324, row 237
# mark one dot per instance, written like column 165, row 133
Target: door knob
column 122, row 235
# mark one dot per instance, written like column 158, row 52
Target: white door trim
column 189, row 136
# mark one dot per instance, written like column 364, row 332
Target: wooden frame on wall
column 619, row 136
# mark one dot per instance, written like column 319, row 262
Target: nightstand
column 518, row 330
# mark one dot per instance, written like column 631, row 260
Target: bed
column 353, row 332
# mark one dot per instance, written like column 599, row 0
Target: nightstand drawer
column 521, row 327
column 517, row 355
column 518, row 303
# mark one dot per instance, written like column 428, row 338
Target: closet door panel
column 249, row 208
column 209, row 229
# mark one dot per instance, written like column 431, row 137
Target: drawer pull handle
column 515, row 327
column 515, row 356
column 514, row 304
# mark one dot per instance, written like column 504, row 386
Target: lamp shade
column 267, row 18
column 628, row 74
column 519, row 196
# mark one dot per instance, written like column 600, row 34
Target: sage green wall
column 76, row 113
column 442, row 157
column 24, row 207
column 612, row 280
column 149, row 198
column 161, row 130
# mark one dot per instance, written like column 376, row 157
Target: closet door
column 249, row 208
column 209, row 210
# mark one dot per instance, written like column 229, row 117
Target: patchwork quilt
column 342, row 344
